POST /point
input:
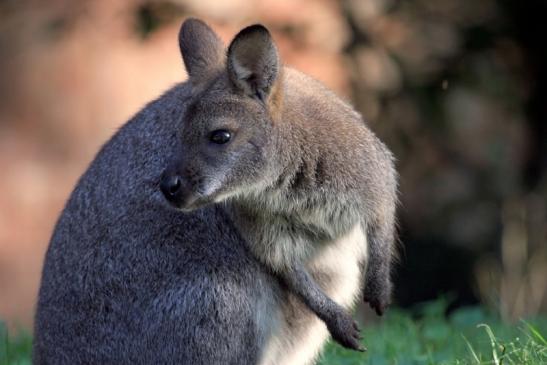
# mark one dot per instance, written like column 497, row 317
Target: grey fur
column 202, row 48
column 129, row 280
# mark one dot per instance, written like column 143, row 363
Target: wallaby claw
column 345, row 331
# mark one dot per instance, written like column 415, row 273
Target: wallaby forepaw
column 379, row 301
column 345, row 331
column 378, row 306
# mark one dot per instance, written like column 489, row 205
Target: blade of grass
column 470, row 347
column 492, row 342
column 535, row 332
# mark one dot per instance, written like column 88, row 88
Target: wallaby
column 252, row 145
column 295, row 167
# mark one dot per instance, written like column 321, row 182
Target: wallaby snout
column 177, row 191
column 171, row 186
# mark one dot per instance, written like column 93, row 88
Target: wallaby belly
column 338, row 268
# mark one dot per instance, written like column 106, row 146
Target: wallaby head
column 227, row 138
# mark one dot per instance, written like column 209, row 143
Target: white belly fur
column 341, row 258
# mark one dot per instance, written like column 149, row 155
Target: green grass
column 14, row 350
column 469, row 336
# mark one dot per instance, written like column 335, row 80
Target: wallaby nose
column 171, row 186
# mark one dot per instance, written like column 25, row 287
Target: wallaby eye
column 220, row 136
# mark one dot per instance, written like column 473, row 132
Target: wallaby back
column 127, row 279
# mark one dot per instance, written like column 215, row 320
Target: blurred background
column 457, row 89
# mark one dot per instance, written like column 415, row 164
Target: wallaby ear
column 202, row 50
column 253, row 62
